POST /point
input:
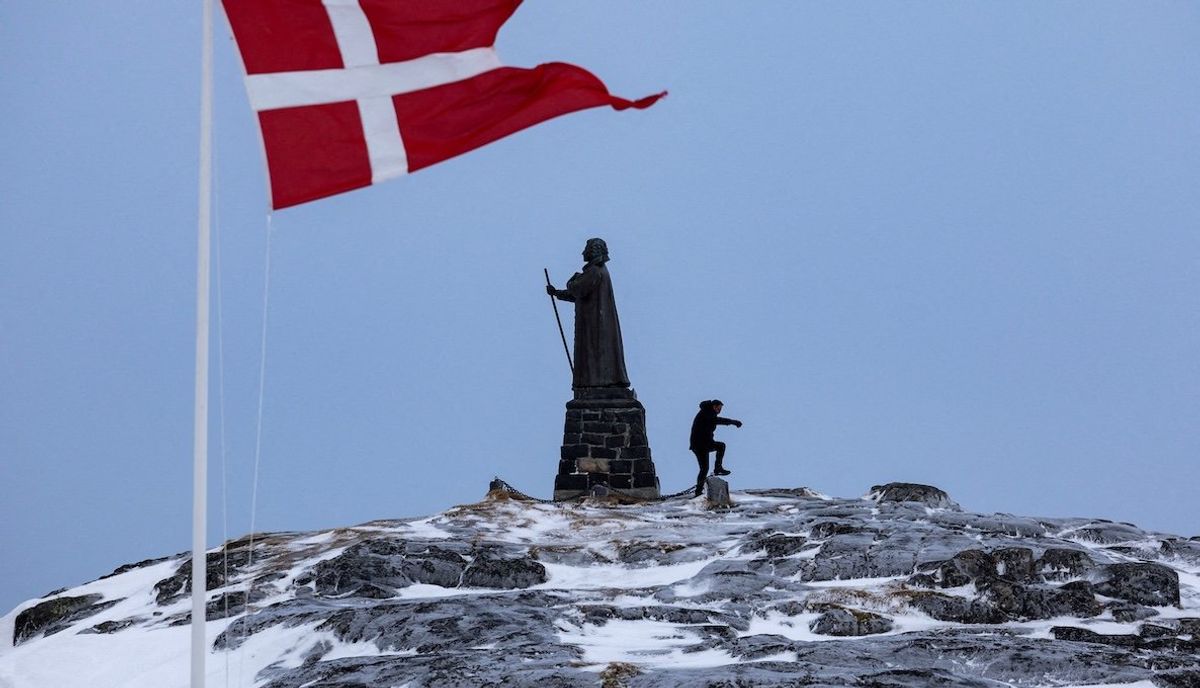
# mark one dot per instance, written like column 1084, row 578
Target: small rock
column 1178, row 678
column 1014, row 563
column 1188, row 550
column 1149, row 584
column 839, row 621
column 957, row 609
column 712, row 630
column 922, row 580
column 1083, row 635
column 643, row 552
column 1073, row 599
column 793, row 492
column 617, row 674
column 847, row 556
column 1155, row 631
column 1059, row 563
column 316, row 652
column 1108, row 533
column 1077, row 598
column 912, row 492
column 779, row 545
column 723, row 580
column 598, row 613
column 677, row 615
column 717, row 491
column 109, row 627
column 822, row 530
column 126, row 568
column 965, row 567
column 52, row 616
column 1171, row 644
column 1128, row 613
column 1010, row 598
column 508, row 574
column 376, row 568
column 569, row 555
column 756, row 647
column 216, row 568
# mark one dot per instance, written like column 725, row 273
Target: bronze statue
column 599, row 353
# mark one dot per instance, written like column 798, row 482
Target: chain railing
column 504, row 486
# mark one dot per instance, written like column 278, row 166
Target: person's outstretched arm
column 729, row 421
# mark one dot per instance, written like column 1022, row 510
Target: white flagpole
column 200, row 429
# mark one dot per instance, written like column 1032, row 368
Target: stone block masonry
column 605, row 443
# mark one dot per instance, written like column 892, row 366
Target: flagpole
column 200, row 428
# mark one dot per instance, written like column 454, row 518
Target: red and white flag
column 351, row 92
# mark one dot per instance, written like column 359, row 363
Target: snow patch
column 653, row 644
column 609, row 576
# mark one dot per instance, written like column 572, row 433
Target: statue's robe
column 599, row 353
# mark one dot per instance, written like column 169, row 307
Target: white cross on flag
column 351, row 92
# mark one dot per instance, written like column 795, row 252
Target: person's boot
column 699, row 489
column 720, row 470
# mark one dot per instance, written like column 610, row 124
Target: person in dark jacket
column 702, row 442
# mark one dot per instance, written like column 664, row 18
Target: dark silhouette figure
column 599, row 352
column 702, row 442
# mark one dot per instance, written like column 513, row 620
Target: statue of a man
column 599, row 354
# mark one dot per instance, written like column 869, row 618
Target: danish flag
column 351, row 92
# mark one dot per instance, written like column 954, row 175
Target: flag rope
column 258, row 431
column 218, row 270
column 262, row 376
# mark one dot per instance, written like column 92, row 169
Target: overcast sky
column 948, row 242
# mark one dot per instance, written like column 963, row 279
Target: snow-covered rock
column 786, row 588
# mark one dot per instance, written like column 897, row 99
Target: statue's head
column 595, row 252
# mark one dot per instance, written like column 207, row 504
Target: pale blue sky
column 943, row 242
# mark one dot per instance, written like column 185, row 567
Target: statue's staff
column 559, row 320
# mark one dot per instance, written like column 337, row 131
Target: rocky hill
column 786, row 588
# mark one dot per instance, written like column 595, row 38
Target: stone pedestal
column 604, row 443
